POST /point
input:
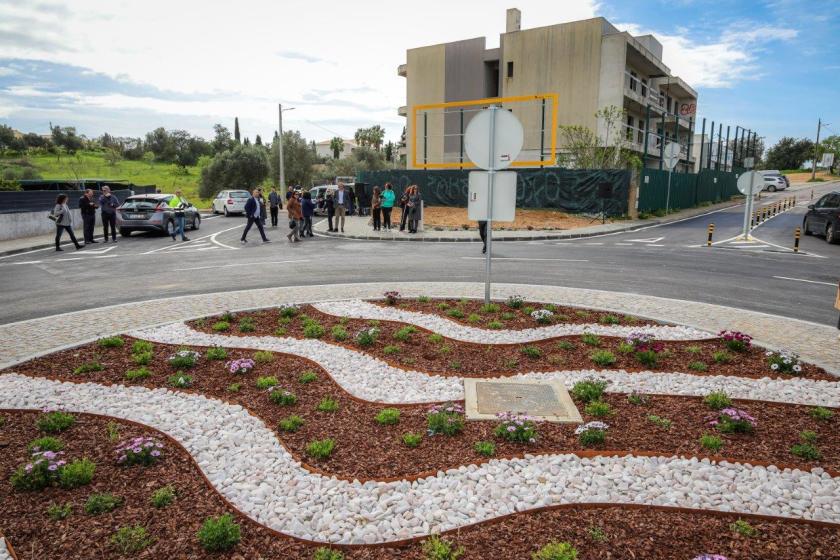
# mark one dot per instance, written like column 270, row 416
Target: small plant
column 736, row 340
column 598, row 409
column 55, row 421
column 717, row 400
column 435, row 548
column 543, row 316
column 142, row 450
column 589, row 390
column 510, row 363
column 447, row 419
column 784, row 361
column 289, row 311
column 721, row 357
column 527, row 310
column 565, row 345
column 47, row 443
column 241, row 366
column 693, row 349
column 131, row 540
column 111, row 342
column 113, row 431
column 743, row 528
column 435, row 338
column 660, row 421
column 324, row 553
column 638, row 399
column 327, row 404
column 264, row 383
column 582, row 314
column 590, row 339
column 228, row 316
column 366, row 337
column 234, row 387
column 485, row 448
column 390, row 350
column 313, row 329
column 308, row 376
column 463, row 301
column 411, row 439
column 58, row 512
column 339, row 333
column 515, row 301
column 517, row 428
column 138, row 374
column 263, row 357
column 592, row 433
column 531, row 352
column 216, row 353
column 392, row 297
column 290, row 424
column 218, row 533
column 556, row 551
column 603, row 357
column 246, row 324
column 490, row 308
column 609, row 320
column 555, row 359
column 281, row 397
column 141, row 346
column 495, row 325
column 424, row 299
column 388, row 416
column 625, row 348
column 596, row 534
column 320, row 449
column 43, row 469
column 88, row 367
column 697, row 366
column 102, row 503
column 443, row 306
column 162, row 497
column 711, row 442
column 732, row 420
column 455, row 313
column 807, row 451
column 474, row 318
column 507, row 316
column 221, row 326
column 142, row 358
column 820, row 413
column 180, row 380
column 280, row 331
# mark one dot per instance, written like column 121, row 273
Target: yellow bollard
column 710, row 230
column 796, row 237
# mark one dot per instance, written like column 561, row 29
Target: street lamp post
column 282, row 175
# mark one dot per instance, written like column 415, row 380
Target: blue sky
column 128, row 67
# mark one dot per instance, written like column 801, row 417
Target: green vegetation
column 266, row 382
column 111, row 342
column 602, row 357
column 130, row 540
column 743, row 528
column 327, row 404
column 263, row 357
column 324, row 553
column 47, row 443
column 290, row 424
column 54, row 422
column 339, row 333
column 142, row 358
column 308, row 376
column 88, row 367
column 435, row 338
column 391, row 349
column 101, row 503
column 216, row 353
column 590, row 339
column 598, row 409
column 221, row 326
column 180, row 380
column 76, row 473
column 411, row 439
column 556, row 551
column 660, row 421
column 140, row 346
column 711, row 442
column 58, row 512
column 821, row 413
column 282, row 397
column 320, row 449
column 697, row 366
column 588, row 390
column 435, row 548
column 218, row 533
column 531, row 351
column 162, row 497
column 137, row 374
column 388, row 416
column 717, row 400
column 485, row 448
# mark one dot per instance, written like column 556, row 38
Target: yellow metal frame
column 555, row 101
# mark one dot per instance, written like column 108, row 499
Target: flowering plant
column 730, row 420
column 736, row 340
column 592, row 432
column 542, row 316
column 643, row 341
column 784, row 361
column 516, row 427
column 184, row 358
column 447, row 418
column 710, row 557
column 281, row 396
column 366, row 337
column 240, row 366
column 41, row 471
column 392, row 297
column 140, row 450
column 596, row 425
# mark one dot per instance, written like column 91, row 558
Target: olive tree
column 243, row 167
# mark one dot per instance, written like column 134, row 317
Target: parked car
column 230, row 202
column 774, row 183
column 319, row 193
column 774, row 173
column 823, row 218
column 151, row 212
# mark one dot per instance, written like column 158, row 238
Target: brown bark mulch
column 466, row 359
column 597, row 532
column 368, row 450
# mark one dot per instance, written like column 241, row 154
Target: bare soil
column 450, row 218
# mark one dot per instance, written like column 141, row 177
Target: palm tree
column 376, row 134
column 337, row 146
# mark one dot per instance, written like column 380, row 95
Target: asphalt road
column 670, row 260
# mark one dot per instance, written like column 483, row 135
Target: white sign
column 827, row 159
column 750, row 182
column 749, row 162
column 504, row 196
column 507, row 143
column 672, row 155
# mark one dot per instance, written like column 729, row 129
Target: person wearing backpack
column 63, row 221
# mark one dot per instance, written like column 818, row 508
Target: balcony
column 402, row 111
column 641, row 95
column 402, row 70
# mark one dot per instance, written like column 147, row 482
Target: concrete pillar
column 514, row 20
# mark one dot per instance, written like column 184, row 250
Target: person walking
column 63, row 222
column 263, row 207
column 108, row 204
column 88, row 208
column 252, row 212
column 342, row 204
column 308, row 210
column 404, row 207
column 388, row 198
column 178, row 205
column 329, row 204
column 376, row 209
column 415, row 204
column 351, row 210
column 482, row 232
column 293, row 208
column 275, row 205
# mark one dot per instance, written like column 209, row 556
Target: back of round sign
column 509, row 137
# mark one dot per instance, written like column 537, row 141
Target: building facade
column 324, row 150
column 589, row 64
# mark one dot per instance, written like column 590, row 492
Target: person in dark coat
column 308, row 209
column 88, row 207
column 252, row 212
column 404, row 207
column 482, row 231
column 415, row 212
column 351, row 193
column 274, row 204
column 329, row 204
column 263, row 207
column 108, row 203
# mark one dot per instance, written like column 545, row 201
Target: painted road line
column 652, row 240
column 523, row 259
column 233, row 265
column 805, row 280
column 209, row 235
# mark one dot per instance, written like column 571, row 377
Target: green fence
column 687, row 189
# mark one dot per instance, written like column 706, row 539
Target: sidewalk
column 23, row 244
column 358, row 228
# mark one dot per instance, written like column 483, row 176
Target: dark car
column 151, row 212
column 823, row 218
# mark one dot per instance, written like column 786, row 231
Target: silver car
column 774, row 183
column 151, row 212
column 230, row 202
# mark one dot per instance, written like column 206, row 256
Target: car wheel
column 196, row 222
column 125, row 232
column 226, row 212
column 805, row 229
column 831, row 234
column 772, row 188
column 213, row 209
column 170, row 228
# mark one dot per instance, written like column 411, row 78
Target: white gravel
column 4, row 552
column 372, row 379
column 246, row 463
column 363, row 310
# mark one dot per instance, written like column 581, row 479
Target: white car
column 774, row 183
column 230, row 202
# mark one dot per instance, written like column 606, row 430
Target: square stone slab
column 548, row 401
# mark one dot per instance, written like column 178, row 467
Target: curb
column 8, row 252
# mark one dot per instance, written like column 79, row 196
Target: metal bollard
column 710, row 230
column 796, row 237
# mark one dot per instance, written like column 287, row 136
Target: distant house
column 324, row 150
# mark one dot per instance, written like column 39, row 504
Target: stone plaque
column 545, row 400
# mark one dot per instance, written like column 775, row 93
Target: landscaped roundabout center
column 555, row 424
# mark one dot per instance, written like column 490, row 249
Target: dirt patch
column 450, row 218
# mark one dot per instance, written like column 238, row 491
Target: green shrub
column 596, row 534
column 455, row 313
column 697, row 366
column 598, row 409
column 743, row 528
column 638, row 399
column 141, row 346
column 435, row 338
column 58, row 512
column 131, row 540
column 435, row 548
column 445, row 349
column 582, row 314
column 693, row 349
column 625, row 348
column 455, row 364
column 660, row 421
column 531, row 351
column 88, row 367
column 367, row 337
column 603, row 357
column 76, row 473
column 412, row 440
column 313, row 329
column 510, row 363
column 807, row 451
column 490, row 308
column 47, row 443
column 647, row 358
column 55, row 422
column 717, row 400
column 228, row 316
column 282, row 397
column 485, row 448
column 443, row 306
column 142, row 358
column 290, row 424
column 388, row 416
column 447, row 419
column 339, row 333
column 184, row 358
column 234, row 387
column 111, row 342
column 220, row 326
column 507, row 316
column 474, row 318
column 263, row 357
column 113, row 431
column 592, row 437
column 324, row 553
column 391, row 350
column 556, row 551
column 266, row 382
column 609, row 320
column 320, row 449
column 711, row 442
column 216, row 353
column 590, row 339
column 527, row 310
column 820, row 413
column 495, row 325
column 404, row 334
column 565, row 345
column 246, row 324
column 721, row 357
column 101, row 503
column 289, row 311
column 463, row 301
column 180, row 380
column 327, row 404
column 589, row 390
column 424, row 299
column 137, row 374
column 515, row 302
column 280, row 331
column 308, row 376
column 162, row 497
column 218, row 533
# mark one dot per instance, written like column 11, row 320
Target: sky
column 126, row 67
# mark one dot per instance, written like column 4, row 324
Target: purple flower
column 511, row 429
column 155, row 453
column 52, row 468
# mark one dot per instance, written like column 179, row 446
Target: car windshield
column 239, row 194
column 141, row 203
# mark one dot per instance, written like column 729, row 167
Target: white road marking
column 584, row 243
column 232, row 265
column 625, row 244
column 652, row 240
column 210, row 235
column 100, row 251
column 69, row 259
column 804, row 280
column 523, row 259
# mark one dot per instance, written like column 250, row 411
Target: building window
column 510, row 69
column 641, row 135
column 644, row 87
column 629, row 131
column 633, row 80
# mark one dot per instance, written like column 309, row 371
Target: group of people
column 382, row 204
column 299, row 208
column 107, row 204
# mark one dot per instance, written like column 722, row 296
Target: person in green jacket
column 178, row 204
column 388, row 198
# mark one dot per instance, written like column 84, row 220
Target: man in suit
column 88, row 208
column 342, row 205
column 253, row 212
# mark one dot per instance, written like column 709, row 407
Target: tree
column 247, row 141
column 66, row 138
column 831, row 145
column 149, row 157
column 112, row 156
column 390, row 151
column 298, row 158
column 243, row 167
column 584, row 149
column 337, row 146
column 188, row 148
column 789, row 153
column 33, row 140
column 375, row 137
column 236, row 129
column 162, row 144
column 7, row 134
column 258, row 141
column 222, row 140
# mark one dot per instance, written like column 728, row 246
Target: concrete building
column 323, row 149
column 589, row 64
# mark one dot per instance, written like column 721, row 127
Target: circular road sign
column 672, row 154
column 508, row 142
column 749, row 178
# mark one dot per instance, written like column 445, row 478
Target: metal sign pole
column 491, row 175
column 668, row 196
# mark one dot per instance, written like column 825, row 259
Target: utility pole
column 282, row 176
column 816, row 149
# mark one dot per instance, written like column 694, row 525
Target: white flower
column 797, row 368
column 596, row 425
column 774, row 367
column 768, row 353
